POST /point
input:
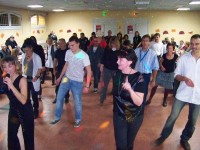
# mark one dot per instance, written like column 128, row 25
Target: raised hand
column 8, row 82
column 126, row 85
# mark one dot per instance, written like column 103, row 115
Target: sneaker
column 77, row 124
column 95, row 90
column 164, row 103
column 55, row 121
column 185, row 145
column 159, row 141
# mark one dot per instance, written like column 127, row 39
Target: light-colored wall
column 162, row 20
column 25, row 31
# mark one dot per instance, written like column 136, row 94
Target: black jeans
column 26, row 120
column 34, row 94
column 125, row 132
column 96, row 74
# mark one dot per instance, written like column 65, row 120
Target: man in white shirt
column 71, row 78
column 157, row 46
column 187, row 72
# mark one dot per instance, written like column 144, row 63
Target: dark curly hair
column 130, row 55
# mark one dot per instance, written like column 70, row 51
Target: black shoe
column 54, row 121
column 148, row 102
column 159, row 141
column 42, row 82
column 35, row 116
column 54, row 101
column 101, row 103
column 185, row 145
column 164, row 103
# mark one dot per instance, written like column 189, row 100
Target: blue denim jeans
column 76, row 89
column 192, row 119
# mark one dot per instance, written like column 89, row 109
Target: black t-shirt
column 13, row 44
column 109, row 59
column 169, row 65
column 84, row 42
column 60, row 56
column 123, row 104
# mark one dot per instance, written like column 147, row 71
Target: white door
column 135, row 24
column 105, row 25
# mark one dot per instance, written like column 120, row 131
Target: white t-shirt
column 157, row 47
column 76, row 64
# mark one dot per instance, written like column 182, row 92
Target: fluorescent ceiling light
column 141, row 8
column 183, row 9
column 35, row 6
column 144, row 2
column 58, row 10
column 194, row 3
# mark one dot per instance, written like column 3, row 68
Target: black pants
column 57, row 87
column 34, row 94
column 125, row 132
column 26, row 120
column 52, row 75
column 96, row 74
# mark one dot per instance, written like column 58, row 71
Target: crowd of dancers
column 133, row 67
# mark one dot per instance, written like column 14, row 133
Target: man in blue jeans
column 71, row 78
column 187, row 72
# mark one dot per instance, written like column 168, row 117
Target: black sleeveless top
column 123, row 104
column 15, row 104
column 169, row 65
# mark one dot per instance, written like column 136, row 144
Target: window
column 38, row 21
column 4, row 20
column 10, row 21
column 15, row 20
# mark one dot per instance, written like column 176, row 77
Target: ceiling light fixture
column 184, row 9
column 58, row 10
column 194, row 3
column 35, row 6
column 144, row 2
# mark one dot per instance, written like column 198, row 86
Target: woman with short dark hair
column 165, row 76
column 128, row 95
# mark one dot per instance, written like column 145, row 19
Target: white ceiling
column 68, row 5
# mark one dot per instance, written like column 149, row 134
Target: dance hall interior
column 92, row 50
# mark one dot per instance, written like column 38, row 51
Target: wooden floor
column 96, row 131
